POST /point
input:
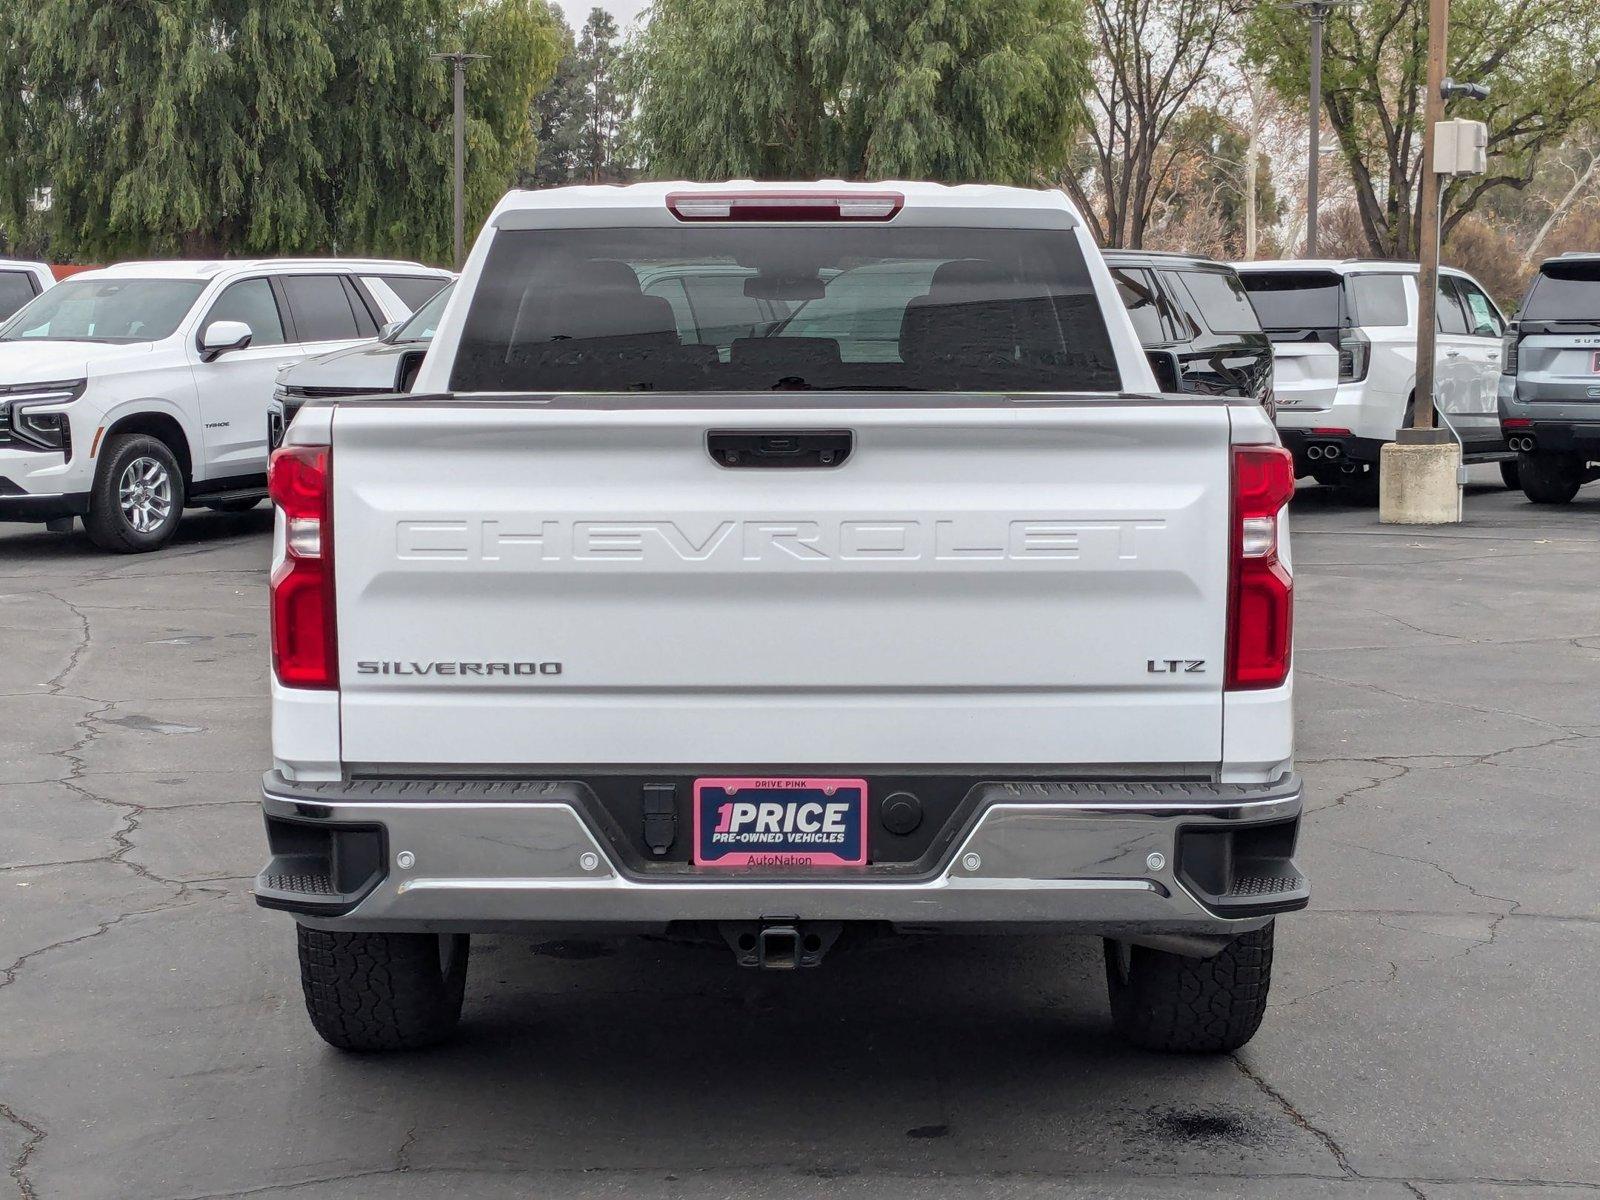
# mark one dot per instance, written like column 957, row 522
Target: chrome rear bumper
column 1106, row 858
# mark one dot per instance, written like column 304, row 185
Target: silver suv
column 1550, row 384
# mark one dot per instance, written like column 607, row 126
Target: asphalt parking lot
column 1432, row 1029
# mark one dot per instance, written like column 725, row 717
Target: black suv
column 1196, row 323
column 1550, row 381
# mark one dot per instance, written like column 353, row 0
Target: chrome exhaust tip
column 1314, row 453
column 1332, row 452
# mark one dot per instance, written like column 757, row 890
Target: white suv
column 1366, row 313
column 129, row 392
column 20, row 282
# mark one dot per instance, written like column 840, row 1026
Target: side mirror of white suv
column 222, row 336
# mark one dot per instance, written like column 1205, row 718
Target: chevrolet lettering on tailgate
column 532, row 540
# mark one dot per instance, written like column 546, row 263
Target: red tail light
column 1260, row 590
column 305, row 644
column 785, row 206
column 1516, row 423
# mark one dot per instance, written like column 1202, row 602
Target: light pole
column 1317, row 12
column 458, row 63
column 1420, row 471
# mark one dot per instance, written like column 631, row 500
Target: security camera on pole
column 1420, row 472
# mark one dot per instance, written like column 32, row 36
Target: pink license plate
column 780, row 822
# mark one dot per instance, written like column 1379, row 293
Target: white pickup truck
column 777, row 563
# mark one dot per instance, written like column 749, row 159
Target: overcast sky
column 623, row 10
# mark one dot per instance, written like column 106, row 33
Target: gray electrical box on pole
column 1460, row 147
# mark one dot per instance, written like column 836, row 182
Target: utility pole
column 1317, row 11
column 1428, row 239
column 458, row 64
column 1420, row 474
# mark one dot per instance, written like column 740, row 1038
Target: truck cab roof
column 914, row 194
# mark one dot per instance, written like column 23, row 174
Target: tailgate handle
column 736, row 448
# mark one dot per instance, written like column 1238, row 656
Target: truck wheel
column 382, row 991
column 1164, row 1001
column 1509, row 474
column 1549, row 478
column 137, row 500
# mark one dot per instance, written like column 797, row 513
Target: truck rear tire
column 1510, row 475
column 382, row 991
column 1549, row 478
column 1164, row 1001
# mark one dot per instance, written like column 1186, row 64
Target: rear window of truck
column 824, row 307
column 1564, row 292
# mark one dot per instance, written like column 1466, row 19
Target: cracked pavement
column 1431, row 1031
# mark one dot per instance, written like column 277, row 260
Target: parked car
column 20, row 282
column 1550, row 380
column 389, row 364
column 1196, row 324
column 912, row 610
column 130, row 392
column 1365, row 313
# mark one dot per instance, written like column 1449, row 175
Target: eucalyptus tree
column 952, row 90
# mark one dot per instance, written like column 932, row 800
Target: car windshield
column 1291, row 301
column 106, row 310
column 726, row 308
column 421, row 325
column 1565, row 292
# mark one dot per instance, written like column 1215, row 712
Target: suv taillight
column 1355, row 348
column 1508, row 350
column 305, row 645
column 1260, row 590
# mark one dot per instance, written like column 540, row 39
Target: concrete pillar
column 1419, row 479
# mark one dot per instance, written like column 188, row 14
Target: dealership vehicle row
column 194, row 360
column 804, row 577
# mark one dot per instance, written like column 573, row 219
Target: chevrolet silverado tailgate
column 974, row 581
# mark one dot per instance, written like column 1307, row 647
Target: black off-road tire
column 1510, row 473
column 1549, row 478
column 1164, row 1001
column 383, row 991
column 1328, row 475
column 106, row 523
